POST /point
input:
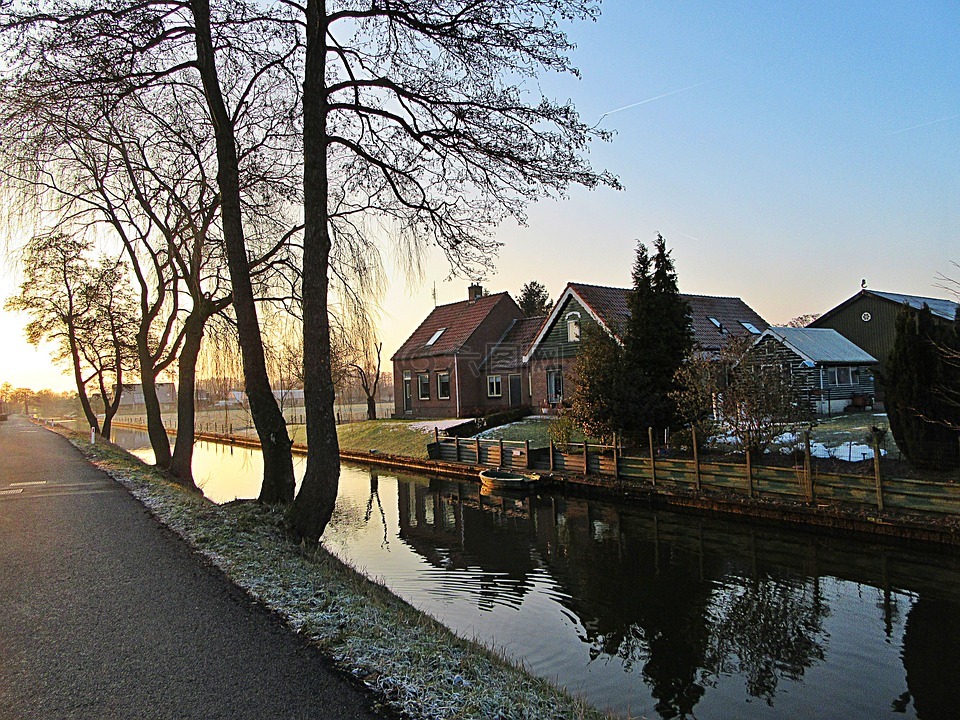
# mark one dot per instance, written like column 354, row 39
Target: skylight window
column 719, row 325
column 435, row 337
column 751, row 328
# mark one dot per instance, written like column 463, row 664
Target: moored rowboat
column 507, row 480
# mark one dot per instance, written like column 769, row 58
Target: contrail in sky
column 915, row 127
column 650, row 100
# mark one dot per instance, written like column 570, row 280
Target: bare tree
column 81, row 305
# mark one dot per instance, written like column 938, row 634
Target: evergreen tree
column 534, row 299
column 627, row 382
column 657, row 338
column 923, row 422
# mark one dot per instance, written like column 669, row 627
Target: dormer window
column 573, row 327
column 719, row 325
column 750, row 327
column 435, row 337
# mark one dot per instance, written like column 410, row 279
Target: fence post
column 749, row 475
column 616, row 458
column 501, row 463
column 527, row 452
column 696, row 459
column 478, row 451
column 586, row 466
column 436, row 434
column 456, row 444
column 807, row 467
column 653, row 462
column 876, row 471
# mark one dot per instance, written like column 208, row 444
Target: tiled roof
column 508, row 353
column 610, row 305
column 946, row 309
column 822, row 346
column 458, row 321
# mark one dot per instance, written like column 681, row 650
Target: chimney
column 474, row 292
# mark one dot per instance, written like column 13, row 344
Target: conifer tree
column 657, row 338
column 923, row 422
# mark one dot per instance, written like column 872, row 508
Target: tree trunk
column 278, row 481
column 371, row 407
column 314, row 504
column 159, row 440
column 181, row 465
column 81, row 386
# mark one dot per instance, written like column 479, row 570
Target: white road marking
column 11, row 492
column 22, row 484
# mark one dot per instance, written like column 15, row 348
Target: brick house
column 448, row 367
column 551, row 356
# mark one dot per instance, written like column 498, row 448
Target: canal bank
column 413, row 664
column 940, row 528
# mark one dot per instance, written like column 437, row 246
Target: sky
column 785, row 150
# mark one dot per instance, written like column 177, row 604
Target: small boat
column 507, row 479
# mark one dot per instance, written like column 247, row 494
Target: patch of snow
column 427, row 426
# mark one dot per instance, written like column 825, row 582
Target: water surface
column 650, row 613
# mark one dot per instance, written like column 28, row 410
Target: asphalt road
column 106, row 614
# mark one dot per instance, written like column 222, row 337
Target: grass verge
column 413, row 664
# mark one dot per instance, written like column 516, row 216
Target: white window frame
column 573, row 327
column 494, row 386
column 834, row 376
column 440, row 380
column 552, row 396
column 421, row 385
column 435, row 337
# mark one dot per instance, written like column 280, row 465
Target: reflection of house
column 551, row 356
column 868, row 319
column 437, row 370
column 132, row 395
column 830, row 370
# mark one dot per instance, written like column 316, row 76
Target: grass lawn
column 536, row 429
column 394, row 437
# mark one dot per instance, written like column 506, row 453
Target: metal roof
column 946, row 309
column 821, row 346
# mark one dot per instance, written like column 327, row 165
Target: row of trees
column 242, row 153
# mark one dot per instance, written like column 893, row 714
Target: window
column 750, row 327
column 435, row 337
column 443, row 386
column 554, row 386
column 573, row 327
column 423, row 385
column 494, row 386
column 718, row 324
column 841, row 376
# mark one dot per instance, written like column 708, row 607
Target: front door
column 407, row 392
column 516, row 391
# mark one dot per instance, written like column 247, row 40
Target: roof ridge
column 460, row 302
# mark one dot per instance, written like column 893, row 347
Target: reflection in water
column 654, row 613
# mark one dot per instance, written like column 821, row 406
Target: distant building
column 132, row 395
column 868, row 319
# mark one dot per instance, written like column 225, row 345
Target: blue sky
column 787, row 150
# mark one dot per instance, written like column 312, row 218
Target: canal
column 650, row 613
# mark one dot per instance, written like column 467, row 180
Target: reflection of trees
column 487, row 539
column 765, row 629
column 931, row 659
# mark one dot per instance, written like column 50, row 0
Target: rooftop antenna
column 434, row 293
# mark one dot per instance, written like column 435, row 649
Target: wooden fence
column 799, row 483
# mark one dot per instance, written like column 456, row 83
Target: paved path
column 105, row 614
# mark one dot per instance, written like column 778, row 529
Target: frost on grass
column 414, row 664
